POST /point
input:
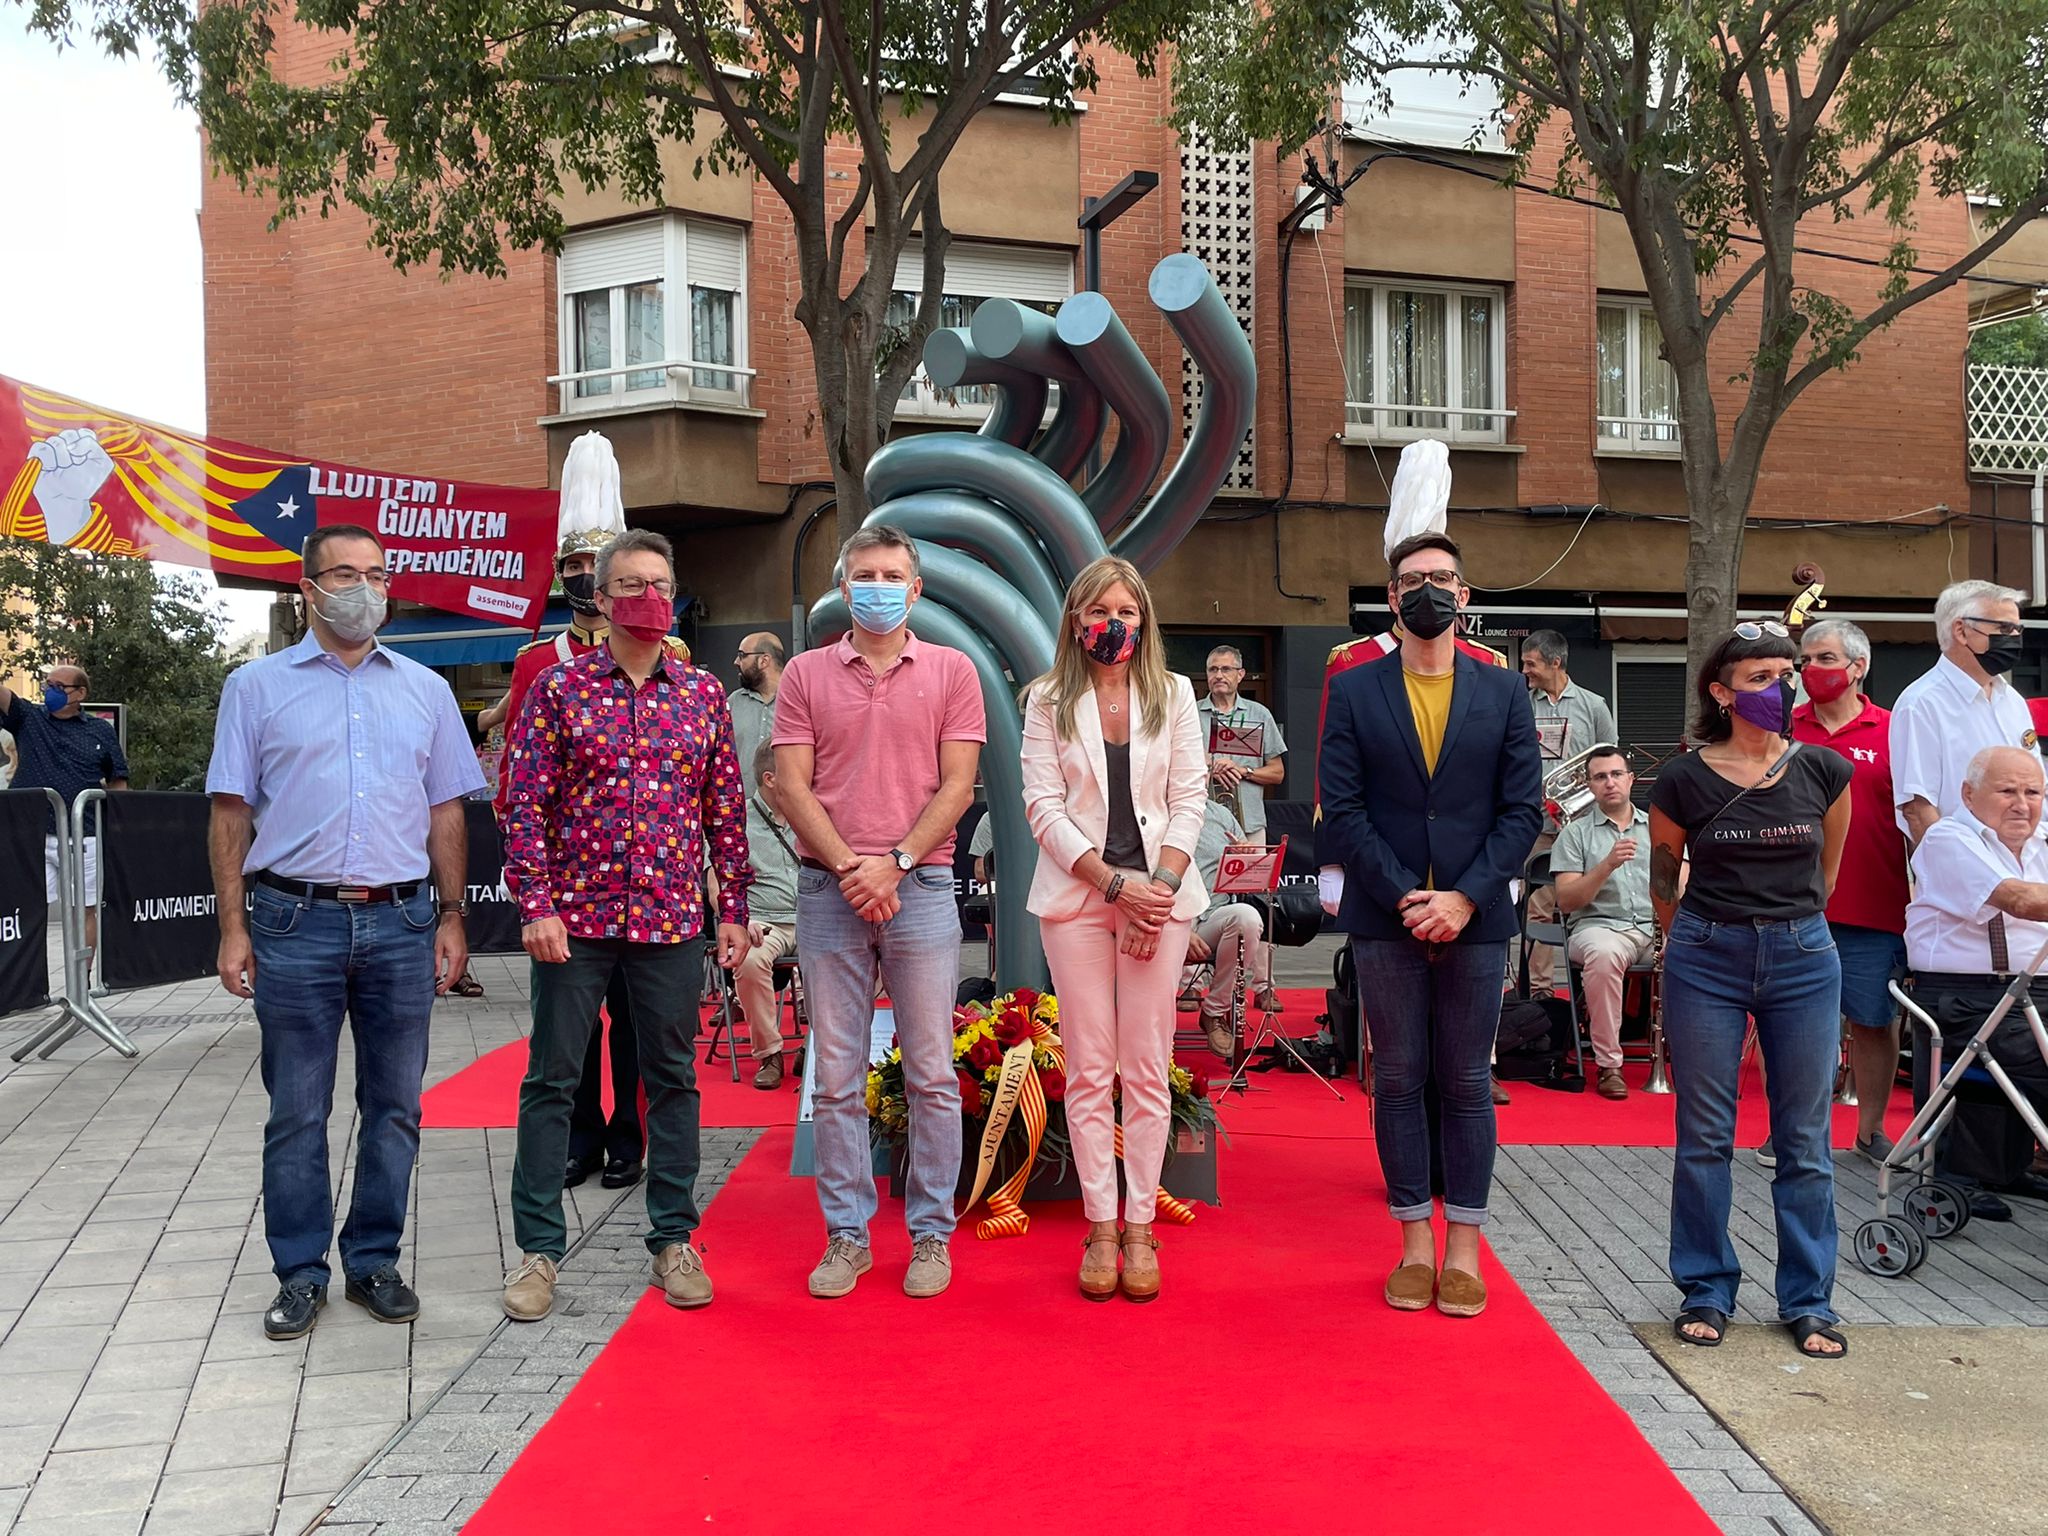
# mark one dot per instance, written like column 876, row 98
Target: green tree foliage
column 1727, row 137
column 454, row 126
column 2018, row 343
column 150, row 641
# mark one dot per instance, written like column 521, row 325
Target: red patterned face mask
column 1824, row 685
column 1110, row 641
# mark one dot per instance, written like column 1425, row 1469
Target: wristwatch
column 459, row 908
column 904, row 861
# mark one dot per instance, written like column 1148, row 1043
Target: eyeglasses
column 343, row 576
column 1412, row 581
column 2005, row 627
column 749, row 655
column 1750, row 629
column 1218, row 671
column 633, row 586
column 51, row 682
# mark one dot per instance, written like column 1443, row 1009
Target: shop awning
column 452, row 640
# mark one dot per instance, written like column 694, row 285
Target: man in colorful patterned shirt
column 621, row 782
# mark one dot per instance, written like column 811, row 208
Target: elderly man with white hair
column 1959, row 707
column 1978, row 917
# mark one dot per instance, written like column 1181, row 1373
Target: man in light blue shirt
column 338, row 775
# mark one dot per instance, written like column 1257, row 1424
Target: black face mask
column 581, row 590
column 1429, row 610
column 2000, row 655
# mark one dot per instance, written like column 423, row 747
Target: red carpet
column 1269, row 1390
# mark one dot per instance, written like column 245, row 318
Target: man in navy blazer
column 1432, row 800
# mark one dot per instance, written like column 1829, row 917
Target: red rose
column 1054, row 1081
column 1025, row 998
column 1013, row 1028
column 970, row 1091
column 983, row 1054
column 1200, row 1087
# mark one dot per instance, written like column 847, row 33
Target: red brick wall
column 316, row 345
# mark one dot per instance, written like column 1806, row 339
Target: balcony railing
column 2005, row 415
column 675, row 374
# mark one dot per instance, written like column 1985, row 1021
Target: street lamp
column 1098, row 213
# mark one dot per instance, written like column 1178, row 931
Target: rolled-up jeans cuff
column 1465, row 1215
column 1420, row 1212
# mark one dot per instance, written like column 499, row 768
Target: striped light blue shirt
column 341, row 764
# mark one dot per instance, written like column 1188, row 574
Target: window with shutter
column 668, row 293
column 1033, row 275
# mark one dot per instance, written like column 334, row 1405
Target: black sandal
column 1718, row 1321
column 1804, row 1328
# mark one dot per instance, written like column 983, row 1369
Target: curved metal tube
column 1020, row 959
column 1022, row 637
column 961, row 461
column 1185, row 293
column 1096, row 339
column 1004, row 331
column 950, row 361
column 971, row 525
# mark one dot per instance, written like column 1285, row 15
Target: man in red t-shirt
column 1867, row 912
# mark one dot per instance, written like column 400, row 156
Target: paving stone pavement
column 140, row 1392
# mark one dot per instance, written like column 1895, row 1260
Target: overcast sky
column 100, row 267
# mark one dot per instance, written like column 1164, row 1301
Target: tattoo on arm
column 1663, row 874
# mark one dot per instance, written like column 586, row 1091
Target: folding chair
column 1652, row 1014
column 787, row 980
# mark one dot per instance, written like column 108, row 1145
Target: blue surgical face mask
column 879, row 607
column 55, row 698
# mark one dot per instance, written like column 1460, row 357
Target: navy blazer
column 1393, row 827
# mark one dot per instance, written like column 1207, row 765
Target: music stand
column 1248, row 869
column 1237, row 740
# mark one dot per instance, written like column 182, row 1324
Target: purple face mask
column 1769, row 708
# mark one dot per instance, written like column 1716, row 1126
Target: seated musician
column 1601, row 862
column 1217, row 934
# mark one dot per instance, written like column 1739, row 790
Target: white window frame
column 1629, row 433
column 664, row 257
column 1370, row 421
column 976, row 270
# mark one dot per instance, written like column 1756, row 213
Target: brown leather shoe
column 1500, row 1094
column 1141, row 1265
column 530, row 1289
column 1459, row 1294
column 1410, row 1287
column 769, row 1073
column 680, row 1274
column 1098, row 1275
column 1612, row 1084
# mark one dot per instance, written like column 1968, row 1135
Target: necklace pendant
column 1116, row 709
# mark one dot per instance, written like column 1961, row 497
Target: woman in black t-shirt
column 1762, row 821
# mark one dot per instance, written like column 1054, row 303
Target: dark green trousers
column 663, row 983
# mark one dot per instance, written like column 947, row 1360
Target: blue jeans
column 1788, row 977
column 315, row 962
column 1432, row 1011
column 918, row 955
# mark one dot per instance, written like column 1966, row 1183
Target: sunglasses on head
column 1752, row 629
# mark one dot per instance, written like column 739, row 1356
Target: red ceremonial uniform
column 2038, row 710
column 1871, row 890
column 1356, row 653
column 535, row 659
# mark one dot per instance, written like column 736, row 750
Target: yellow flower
column 1180, row 1078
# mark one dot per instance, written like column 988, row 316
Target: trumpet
column 1567, row 789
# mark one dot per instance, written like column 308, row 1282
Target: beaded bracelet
column 1109, row 892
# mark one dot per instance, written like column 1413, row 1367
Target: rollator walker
column 1932, row 1208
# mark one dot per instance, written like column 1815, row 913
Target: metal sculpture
column 1001, row 531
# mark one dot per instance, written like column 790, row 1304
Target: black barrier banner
column 493, row 923
column 157, row 921
column 1295, row 821
column 24, row 919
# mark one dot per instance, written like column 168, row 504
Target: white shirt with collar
column 1944, row 718
column 1957, row 866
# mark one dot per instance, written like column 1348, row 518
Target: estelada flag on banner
column 82, row 477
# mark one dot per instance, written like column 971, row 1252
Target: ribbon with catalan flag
column 76, row 475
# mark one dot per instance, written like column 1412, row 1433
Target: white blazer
column 1066, row 797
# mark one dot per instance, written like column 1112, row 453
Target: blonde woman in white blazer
column 1114, row 782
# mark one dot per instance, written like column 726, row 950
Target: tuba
column 1567, row 793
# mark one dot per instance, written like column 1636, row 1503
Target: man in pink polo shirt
column 1867, row 912
column 877, row 739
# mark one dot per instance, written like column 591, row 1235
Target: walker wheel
column 1936, row 1207
column 1889, row 1248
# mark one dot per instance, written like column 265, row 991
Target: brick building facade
column 1430, row 292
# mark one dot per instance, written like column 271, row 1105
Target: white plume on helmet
column 593, row 508
column 1421, row 493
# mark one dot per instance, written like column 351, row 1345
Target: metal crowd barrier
column 76, row 1007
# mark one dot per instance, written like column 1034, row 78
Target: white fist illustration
column 75, row 466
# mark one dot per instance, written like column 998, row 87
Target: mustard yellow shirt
column 1430, row 700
